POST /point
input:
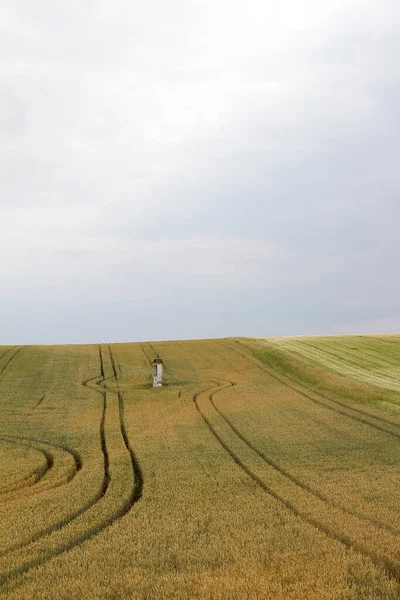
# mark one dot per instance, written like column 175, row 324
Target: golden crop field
column 264, row 468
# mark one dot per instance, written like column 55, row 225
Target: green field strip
column 367, row 362
column 357, row 355
column 363, row 361
column 341, row 366
column 391, row 344
column 341, row 362
column 325, row 401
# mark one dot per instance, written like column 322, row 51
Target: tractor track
column 135, row 494
column 6, row 352
column 35, row 407
column 103, row 442
column 268, row 370
column 298, row 482
column 37, row 473
column 40, row 472
column 40, row 402
column 10, row 359
column 340, row 353
column 155, row 354
column 137, row 489
column 153, row 349
column 40, row 446
column 145, row 353
column 146, row 359
column 138, row 369
column 79, row 512
column 392, row 568
column 70, row 475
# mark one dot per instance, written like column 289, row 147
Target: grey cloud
column 240, row 164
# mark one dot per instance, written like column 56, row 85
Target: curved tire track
column 298, row 482
column 11, row 358
column 268, row 370
column 50, row 459
column 33, row 491
column 392, row 568
column 37, row 473
column 6, row 352
column 90, row 533
column 136, row 493
column 71, row 517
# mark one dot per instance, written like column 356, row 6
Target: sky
column 193, row 169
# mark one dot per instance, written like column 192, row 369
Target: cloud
column 241, row 159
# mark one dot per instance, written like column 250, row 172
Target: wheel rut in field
column 6, row 352
column 49, row 451
column 326, row 402
column 35, row 489
column 336, row 356
column 38, row 481
column 148, row 360
column 137, row 489
column 9, row 360
column 42, row 399
column 295, row 480
column 155, row 353
column 35, row 475
column 9, row 578
column 391, row 566
column 327, row 526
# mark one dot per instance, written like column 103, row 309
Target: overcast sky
column 203, row 168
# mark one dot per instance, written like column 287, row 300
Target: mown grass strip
column 274, row 370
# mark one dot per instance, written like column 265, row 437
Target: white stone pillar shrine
column 157, row 372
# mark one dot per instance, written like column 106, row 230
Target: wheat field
column 264, row 468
